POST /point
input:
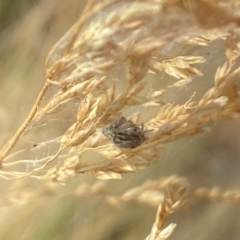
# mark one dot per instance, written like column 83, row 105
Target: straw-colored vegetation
column 101, row 70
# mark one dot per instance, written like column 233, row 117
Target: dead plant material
column 99, row 70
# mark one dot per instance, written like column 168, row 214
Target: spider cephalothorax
column 124, row 133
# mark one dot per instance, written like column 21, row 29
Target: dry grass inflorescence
column 97, row 81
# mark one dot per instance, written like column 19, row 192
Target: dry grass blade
column 128, row 79
column 173, row 201
column 99, row 71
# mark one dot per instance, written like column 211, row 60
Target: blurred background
column 28, row 30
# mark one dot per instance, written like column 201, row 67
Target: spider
column 124, row 133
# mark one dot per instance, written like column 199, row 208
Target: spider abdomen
column 124, row 133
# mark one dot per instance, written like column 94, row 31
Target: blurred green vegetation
column 12, row 11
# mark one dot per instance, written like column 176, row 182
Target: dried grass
column 83, row 69
column 99, row 70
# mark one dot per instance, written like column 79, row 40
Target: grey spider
column 124, row 133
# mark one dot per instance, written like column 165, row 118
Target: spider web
column 42, row 139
